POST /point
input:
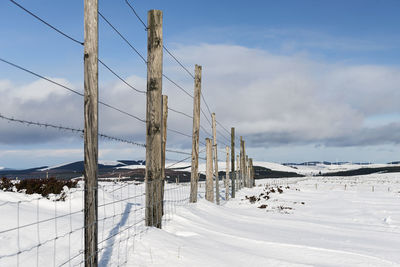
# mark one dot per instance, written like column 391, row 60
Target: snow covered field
column 334, row 227
column 315, row 221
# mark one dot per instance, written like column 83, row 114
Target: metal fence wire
column 49, row 231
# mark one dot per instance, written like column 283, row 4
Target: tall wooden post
column 233, row 176
column 91, row 129
column 164, row 120
column 227, row 174
column 238, row 176
column 242, row 168
column 214, row 130
column 194, row 176
column 153, row 177
column 252, row 182
column 209, row 171
column 246, row 171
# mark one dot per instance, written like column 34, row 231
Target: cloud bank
column 271, row 99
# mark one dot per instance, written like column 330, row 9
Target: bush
column 45, row 187
column 6, row 184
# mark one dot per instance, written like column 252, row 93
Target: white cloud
column 272, row 99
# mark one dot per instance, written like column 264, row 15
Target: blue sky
column 317, row 80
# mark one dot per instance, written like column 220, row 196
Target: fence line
column 45, row 227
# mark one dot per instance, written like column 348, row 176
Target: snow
column 222, row 166
column 110, row 162
column 334, row 227
column 56, row 166
column 132, row 167
column 317, row 221
column 323, row 168
column 300, row 169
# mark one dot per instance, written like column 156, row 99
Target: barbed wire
column 113, row 72
column 46, row 23
column 102, row 63
column 74, row 130
column 81, row 131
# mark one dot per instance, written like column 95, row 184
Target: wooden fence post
column 238, row 176
column 252, row 181
column 214, row 131
column 242, row 167
column 246, row 164
column 233, row 178
column 194, row 176
column 153, row 178
column 164, row 120
column 91, row 129
column 209, row 171
column 227, row 174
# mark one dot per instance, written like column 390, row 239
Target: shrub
column 6, row 184
column 45, row 187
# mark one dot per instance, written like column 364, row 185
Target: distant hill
column 363, row 171
column 69, row 170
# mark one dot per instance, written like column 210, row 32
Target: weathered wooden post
column 227, row 174
column 209, row 171
column 91, row 128
column 251, row 173
column 246, row 164
column 238, row 176
column 163, row 145
column 214, row 131
column 153, row 177
column 242, row 159
column 233, row 176
column 194, row 176
column 164, row 119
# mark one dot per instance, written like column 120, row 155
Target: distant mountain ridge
column 68, row 170
column 314, row 163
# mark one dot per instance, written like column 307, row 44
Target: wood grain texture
column 233, row 176
column 209, row 171
column 246, row 170
column 253, row 183
column 214, row 131
column 91, row 129
column 242, row 156
column 238, row 183
column 164, row 120
column 194, row 176
column 227, row 174
column 153, row 177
